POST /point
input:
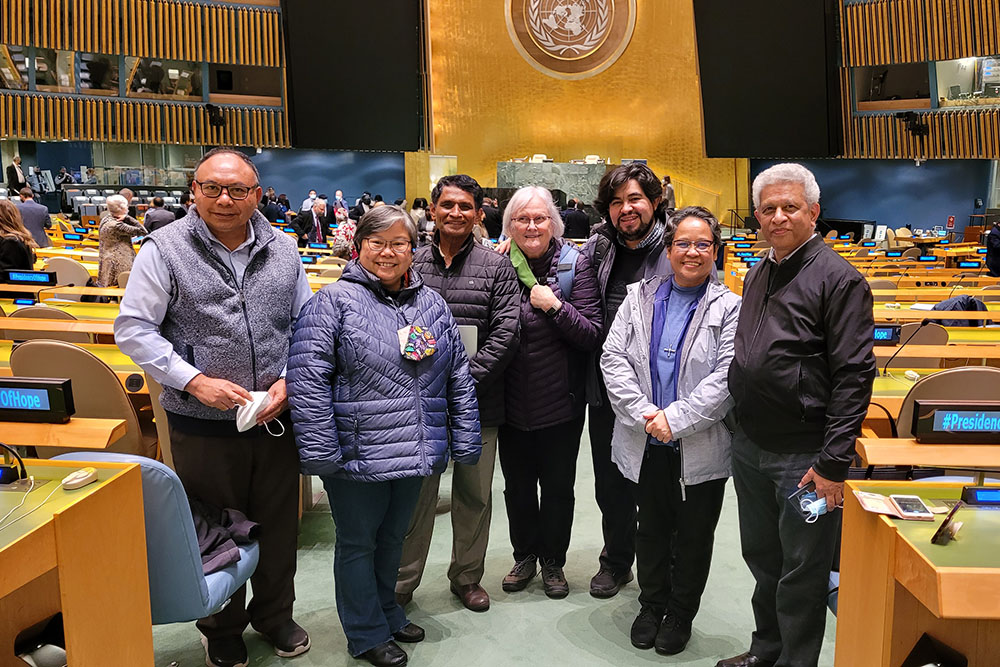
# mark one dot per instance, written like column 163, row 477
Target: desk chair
column 882, row 284
column 97, row 391
column 932, row 334
column 333, row 260
column 911, row 251
column 47, row 313
column 862, row 252
column 179, row 591
column 331, row 273
column 760, row 245
column 64, row 226
column 69, row 272
column 160, row 420
column 123, row 278
column 832, row 234
column 989, row 293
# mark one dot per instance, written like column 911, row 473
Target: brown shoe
column 473, row 596
column 745, row 660
column 519, row 575
column 403, row 599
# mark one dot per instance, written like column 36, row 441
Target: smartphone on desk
column 911, row 507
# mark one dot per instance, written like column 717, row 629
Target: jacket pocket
column 811, row 388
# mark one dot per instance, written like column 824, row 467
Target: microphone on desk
column 923, row 323
column 871, row 263
column 963, row 276
column 901, row 276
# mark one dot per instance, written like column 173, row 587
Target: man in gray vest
column 208, row 313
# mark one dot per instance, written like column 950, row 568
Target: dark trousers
column 673, row 546
column 259, row 476
column 789, row 558
column 543, row 458
column 615, row 494
column 371, row 519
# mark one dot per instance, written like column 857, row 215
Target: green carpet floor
column 523, row 628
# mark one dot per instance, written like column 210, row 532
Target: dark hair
column 157, row 201
column 26, row 193
column 185, row 197
column 679, row 215
column 462, row 182
column 419, row 202
column 226, row 150
column 380, row 219
column 378, row 197
column 399, row 202
column 619, row 176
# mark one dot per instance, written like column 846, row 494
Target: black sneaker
column 225, row 651
column 554, row 581
column 673, row 636
column 519, row 575
column 289, row 639
column 645, row 627
column 606, row 583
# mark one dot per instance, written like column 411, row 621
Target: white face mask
column 312, row 196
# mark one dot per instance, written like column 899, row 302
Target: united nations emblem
column 570, row 39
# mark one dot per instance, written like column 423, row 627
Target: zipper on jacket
column 416, row 392
column 680, row 451
column 246, row 320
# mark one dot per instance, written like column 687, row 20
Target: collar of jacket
column 355, row 273
column 459, row 256
column 262, row 230
column 813, row 247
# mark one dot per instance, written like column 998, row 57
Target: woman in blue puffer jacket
column 381, row 394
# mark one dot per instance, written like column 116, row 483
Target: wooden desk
column 907, row 451
column 78, row 432
column 882, row 314
column 79, row 310
column 83, row 553
column 15, row 324
column 75, row 253
column 895, row 585
column 48, row 291
column 120, row 363
column 884, row 352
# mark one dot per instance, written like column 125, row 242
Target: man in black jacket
column 312, row 226
column 481, row 289
column 802, row 381
column 625, row 248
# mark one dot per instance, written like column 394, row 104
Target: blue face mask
column 813, row 506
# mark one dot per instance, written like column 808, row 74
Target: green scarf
column 520, row 262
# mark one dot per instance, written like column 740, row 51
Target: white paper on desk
column 876, row 502
column 921, row 306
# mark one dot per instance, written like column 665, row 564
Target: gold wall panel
column 489, row 105
column 882, row 32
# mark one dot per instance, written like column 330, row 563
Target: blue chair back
column 178, row 590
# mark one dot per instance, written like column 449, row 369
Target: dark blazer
column 14, row 254
column 14, row 185
column 303, row 224
column 36, row 220
column 157, row 217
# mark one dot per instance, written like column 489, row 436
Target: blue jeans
column 371, row 519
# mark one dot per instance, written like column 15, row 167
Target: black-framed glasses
column 700, row 246
column 378, row 245
column 235, row 192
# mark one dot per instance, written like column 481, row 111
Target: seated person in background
column 665, row 364
column 91, row 177
column 64, row 177
column 312, row 226
column 157, row 216
column 16, row 244
column 115, row 241
column 993, row 249
column 185, row 205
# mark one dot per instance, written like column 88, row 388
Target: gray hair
column 525, row 196
column 787, row 172
column 380, row 219
column 699, row 212
column 117, row 205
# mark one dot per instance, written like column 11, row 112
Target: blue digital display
column 945, row 242
column 988, row 495
column 72, row 237
column 894, row 253
column 80, row 230
column 744, row 245
column 738, row 238
column 980, row 251
column 24, row 302
column 29, row 276
column 319, row 245
column 308, row 260
column 24, row 399
column 868, row 244
column 883, row 333
column 968, row 265
column 927, row 258
column 744, row 253
column 750, row 261
column 845, row 236
column 288, row 229
column 967, row 421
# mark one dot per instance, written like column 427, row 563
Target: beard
column 638, row 234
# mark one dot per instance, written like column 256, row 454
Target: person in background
column 208, row 313
column 381, row 396
column 64, row 177
column 577, row 222
column 482, row 292
column 312, row 226
column 35, row 217
column 16, row 180
column 364, row 205
column 307, row 203
column 184, row 207
column 16, row 243
column 993, row 249
column 625, row 248
column 665, row 365
column 802, row 380
column 669, row 200
column 284, row 204
column 37, row 180
column 157, row 216
column 91, row 177
column 269, row 195
column 560, row 323
column 272, row 210
column 419, row 213
column 339, row 202
column 492, row 218
column 115, row 250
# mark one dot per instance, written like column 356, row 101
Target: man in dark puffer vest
column 208, row 313
column 481, row 289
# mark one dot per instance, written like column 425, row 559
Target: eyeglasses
column 539, row 220
column 701, row 246
column 214, row 190
column 398, row 247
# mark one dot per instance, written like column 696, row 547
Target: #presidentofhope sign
column 570, row 39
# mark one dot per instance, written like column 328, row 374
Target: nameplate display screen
column 24, row 302
column 45, row 400
column 738, row 238
column 959, row 422
column 927, row 258
column 319, row 245
column 744, row 245
column 290, row 230
column 981, row 496
column 945, row 242
column 894, row 253
column 750, row 261
column 868, row 244
column 980, row 251
column 887, row 335
column 29, row 277
column 744, row 253
column 72, row 237
column 969, row 265
column 845, row 236
column 24, row 399
column 80, row 230
column 308, row 260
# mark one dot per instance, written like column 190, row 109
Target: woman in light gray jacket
column 665, row 364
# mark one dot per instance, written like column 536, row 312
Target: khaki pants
column 471, row 509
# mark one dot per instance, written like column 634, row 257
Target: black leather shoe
column 606, row 584
column 411, row 633
column 385, row 655
column 745, row 660
column 289, row 639
column 673, row 636
column 645, row 626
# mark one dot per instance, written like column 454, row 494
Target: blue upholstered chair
column 178, row 590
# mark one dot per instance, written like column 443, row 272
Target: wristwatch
column 551, row 312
